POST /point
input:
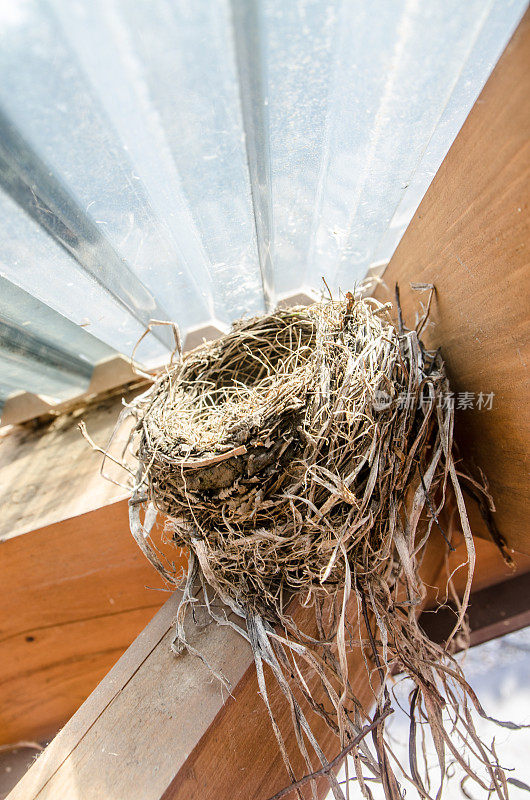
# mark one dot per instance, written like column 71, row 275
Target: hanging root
column 309, row 452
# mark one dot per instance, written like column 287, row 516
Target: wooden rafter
column 470, row 237
column 160, row 726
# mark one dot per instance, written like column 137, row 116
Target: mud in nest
column 309, row 452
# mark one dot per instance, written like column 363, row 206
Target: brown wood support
column 470, row 237
column 74, row 596
column 73, row 583
column 160, row 726
column 492, row 612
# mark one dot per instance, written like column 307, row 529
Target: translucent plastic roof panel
column 197, row 161
column 41, row 351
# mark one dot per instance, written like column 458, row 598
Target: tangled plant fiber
column 296, row 456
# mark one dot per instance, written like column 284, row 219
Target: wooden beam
column 73, row 581
column 470, row 238
column 74, row 596
column 159, row 726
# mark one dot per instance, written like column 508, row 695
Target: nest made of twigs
column 297, row 455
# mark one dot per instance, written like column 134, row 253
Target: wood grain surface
column 470, row 237
column 74, row 596
column 49, row 473
column 159, row 726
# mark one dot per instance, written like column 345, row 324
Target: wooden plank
column 470, row 237
column 73, row 581
column 132, row 735
column 72, row 734
column 74, row 597
column 490, row 568
column 49, row 473
column 174, row 732
column 86, row 600
column 160, row 726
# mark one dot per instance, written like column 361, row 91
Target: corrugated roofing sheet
column 198, row 161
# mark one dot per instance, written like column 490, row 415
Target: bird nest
column 308, row 452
